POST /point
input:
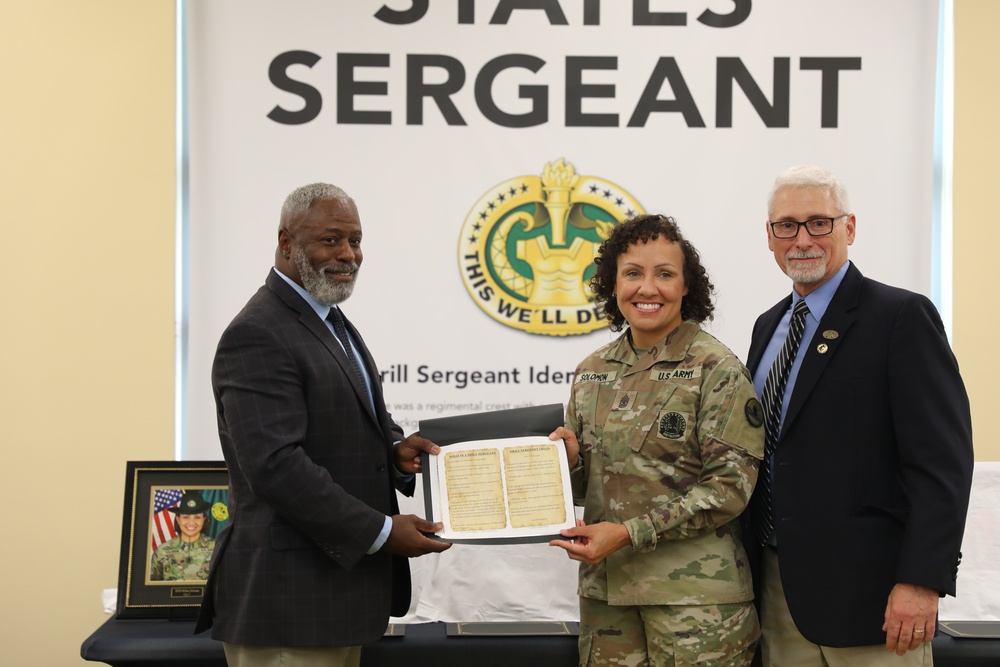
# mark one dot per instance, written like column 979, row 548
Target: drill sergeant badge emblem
column 527, row 248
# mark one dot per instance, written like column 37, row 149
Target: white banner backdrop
column 459, row 127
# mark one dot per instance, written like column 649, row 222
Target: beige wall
column 87, row 184
column 977, row 237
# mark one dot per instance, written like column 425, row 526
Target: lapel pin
column 830, row 334
column 822, row 348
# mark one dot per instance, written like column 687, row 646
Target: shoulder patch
column 754, row 412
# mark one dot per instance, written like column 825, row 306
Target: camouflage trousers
column 722, row 635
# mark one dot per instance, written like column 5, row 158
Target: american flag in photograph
column 162, row 528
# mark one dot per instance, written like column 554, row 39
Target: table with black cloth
column 149, row 643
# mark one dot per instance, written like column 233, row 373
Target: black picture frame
column 147, row 524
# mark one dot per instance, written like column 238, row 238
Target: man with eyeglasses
column 856, row 522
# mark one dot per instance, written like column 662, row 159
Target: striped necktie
column 774, row 392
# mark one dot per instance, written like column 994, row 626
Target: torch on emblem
column 527, row 248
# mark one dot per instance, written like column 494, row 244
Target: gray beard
column 805, row 276
column 321, row 289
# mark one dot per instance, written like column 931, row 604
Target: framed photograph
column 174, row 511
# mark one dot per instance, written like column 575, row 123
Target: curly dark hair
column 696, row 305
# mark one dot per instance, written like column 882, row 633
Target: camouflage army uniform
column 176, row 560
column 670, row 443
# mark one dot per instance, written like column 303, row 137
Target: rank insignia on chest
column 624, row 400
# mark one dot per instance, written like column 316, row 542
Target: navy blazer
column 873, row 466
column 310, row 468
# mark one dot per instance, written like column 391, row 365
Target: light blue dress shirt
column 818, row 301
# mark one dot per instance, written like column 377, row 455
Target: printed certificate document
column 513, row 488
column 504, row 489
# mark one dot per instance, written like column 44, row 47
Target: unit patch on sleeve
column 754, row 412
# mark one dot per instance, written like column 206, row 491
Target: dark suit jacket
column 874, row 463
column 310, row 485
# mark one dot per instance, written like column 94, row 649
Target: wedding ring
column 918, row 632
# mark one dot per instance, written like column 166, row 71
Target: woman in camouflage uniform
column 187, row 556
column 664, row 437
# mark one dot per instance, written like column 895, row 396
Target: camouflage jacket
column 176, row 560
column 670, row 443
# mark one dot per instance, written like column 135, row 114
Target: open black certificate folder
column 498, row 478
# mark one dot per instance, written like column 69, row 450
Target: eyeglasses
column 789, row 229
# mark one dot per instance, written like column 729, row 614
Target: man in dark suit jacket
column 313, row 562
column 871, row 471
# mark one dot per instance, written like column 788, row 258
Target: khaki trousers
column 782, row 645
column 248, row 655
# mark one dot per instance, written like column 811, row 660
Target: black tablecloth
column 150, row 643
